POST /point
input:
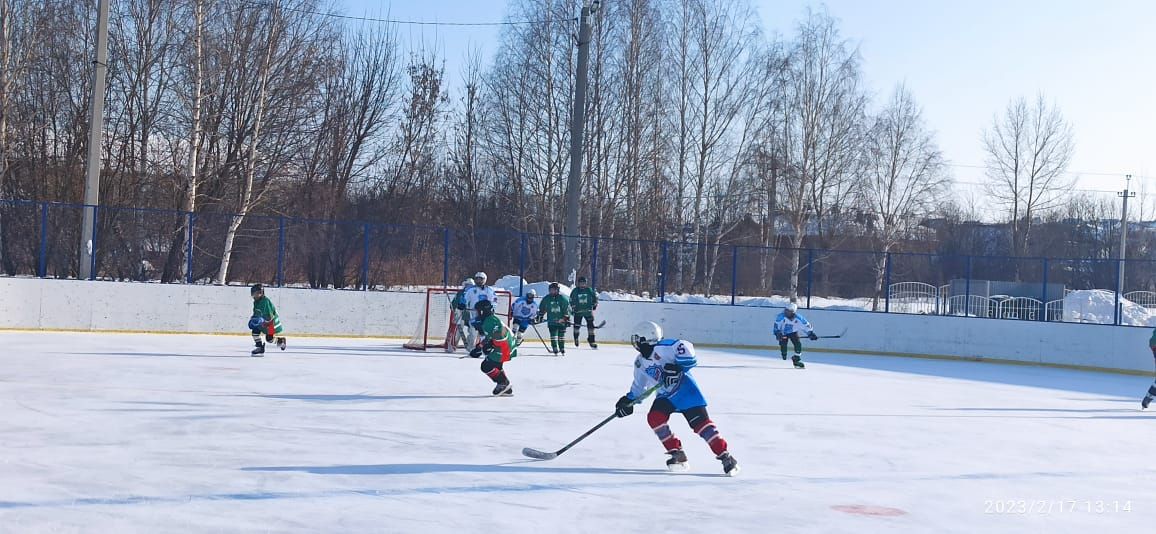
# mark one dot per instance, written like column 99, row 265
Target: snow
column 146, row 433
column 1098, row 305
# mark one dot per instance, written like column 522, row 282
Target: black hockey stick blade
column 539, row 455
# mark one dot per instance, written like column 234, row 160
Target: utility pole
column 1126, row 194
column 95, row 125
column 577, row 131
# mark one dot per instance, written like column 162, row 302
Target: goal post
column 436, row 326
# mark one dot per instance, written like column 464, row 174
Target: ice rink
column 156, row 433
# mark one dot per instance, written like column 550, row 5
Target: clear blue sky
column 963, row 61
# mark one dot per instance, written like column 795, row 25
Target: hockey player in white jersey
column 668, row 362
column 480, row 291
column 525, row 311
column 789, row 325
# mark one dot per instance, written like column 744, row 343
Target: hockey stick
column 539, row 455
column 540, row 338
column 595, row 327
column 835, row 337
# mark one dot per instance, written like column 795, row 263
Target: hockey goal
column 436, row 326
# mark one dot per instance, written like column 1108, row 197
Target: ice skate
column 590, row 341
column 281, row 343
column 729, row 464
column 798, row 361
column 503, row 390
column 677, row 461
column 1144, row 403
column 259, row 351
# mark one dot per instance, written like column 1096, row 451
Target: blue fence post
column 662, row 272
column 42, row 265
column 967, row 289
column 189, row 249
column 887, row 283
column 521, row 262
column 1044, row 295
column 365, row 229
column 1116, row 319
column 594, row 265
column 734, row 273
column 95, row 235
column 280, row 251
column 445, row 257
column 810, row 273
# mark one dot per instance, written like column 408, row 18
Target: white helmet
column 468, row 284
column 481, row 275
column 531, row 293
column 645, row 333
column 792, row 307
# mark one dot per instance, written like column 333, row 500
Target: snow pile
column 1098, row 306
column 516, row 284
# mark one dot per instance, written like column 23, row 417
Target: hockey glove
column 476, row 352
column 256, row 324
column 812, row 336
column 671, row 375
column 624, row 407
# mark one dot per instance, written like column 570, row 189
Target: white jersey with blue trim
column 478, row 293
column 524, row 309
column 648, row 371
column 786, row 326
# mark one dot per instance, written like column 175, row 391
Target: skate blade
column 678, row 468
column 733, row 472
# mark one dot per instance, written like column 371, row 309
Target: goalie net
column 436, row 326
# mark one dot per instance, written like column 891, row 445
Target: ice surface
column 137, row 433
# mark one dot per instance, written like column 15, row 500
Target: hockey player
column 1151, row 389
column 264, row 321
column 461, row 318
column 525, row 312
column 555, row 309
column 668, row 362
column 789, row 325
column 584, row 301
column 497, row 345
column 479, row 292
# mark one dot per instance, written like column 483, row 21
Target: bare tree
column 820, row 131
column 1028, row 151
column 905, row 178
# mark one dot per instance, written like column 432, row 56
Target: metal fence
column 42, row 239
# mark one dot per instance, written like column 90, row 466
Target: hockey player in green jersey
column 1151, row 389
column 498, row 346
column 584, row 301
column 556, row 309
column 264, row 321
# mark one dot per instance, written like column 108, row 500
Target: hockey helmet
column 554, row 287
column 468, row 284
column 582, row 280
column 256, row 288
column 484, row 308
column 530, row 293
column 480, row 276
column 791, row 309
column 645, row 333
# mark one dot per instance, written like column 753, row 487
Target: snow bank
column 1098, row 306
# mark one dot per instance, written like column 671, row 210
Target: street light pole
column 95, row 124
column 577, row 132
column 1126, row 194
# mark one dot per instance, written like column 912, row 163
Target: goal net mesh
column 437, row 324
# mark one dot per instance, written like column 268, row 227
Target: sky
column 963, row 61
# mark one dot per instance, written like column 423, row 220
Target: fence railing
column 42, row 239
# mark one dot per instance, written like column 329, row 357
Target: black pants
column 794, row 339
